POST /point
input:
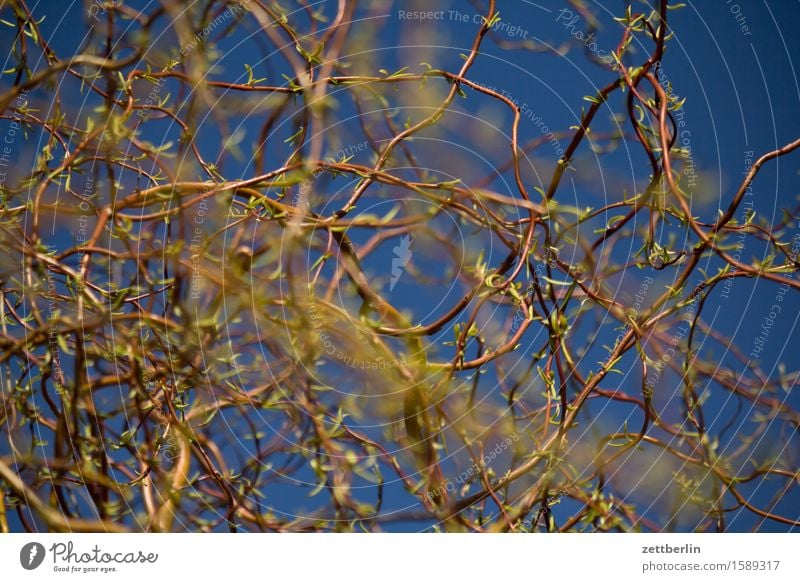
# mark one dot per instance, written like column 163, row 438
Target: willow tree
column 264, row 270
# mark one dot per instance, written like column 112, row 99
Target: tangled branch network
column 348, row 266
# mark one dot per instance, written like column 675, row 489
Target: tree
column 312, row 289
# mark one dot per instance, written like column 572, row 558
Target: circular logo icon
column 31, row 555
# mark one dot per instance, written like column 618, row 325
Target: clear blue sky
column 733, row 62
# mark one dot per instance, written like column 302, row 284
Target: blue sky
column 733, row 62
